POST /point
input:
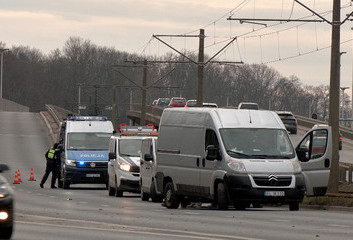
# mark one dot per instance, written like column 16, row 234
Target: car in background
column 163, row 102
column 192, row 103
column 177, row 102
column 289, row 121
column 248, row 105
column 6, row 206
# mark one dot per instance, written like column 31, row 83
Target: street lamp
column 2, row 50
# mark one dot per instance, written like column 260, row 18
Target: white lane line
column 337, row 225
column 74, row 223
column 135, row 231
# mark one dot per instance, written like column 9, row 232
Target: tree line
column 34, row 79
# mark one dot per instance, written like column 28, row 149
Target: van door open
column 314, row 152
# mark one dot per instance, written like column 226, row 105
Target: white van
column 227, row 156
column 85, row 142
column 124, row 159
column 148, row 170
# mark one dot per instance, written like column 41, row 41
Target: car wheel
column 144, row 196
column 294, row 206
column 6, row 232
column 154, row 196
column 118, row 193
column 222, row 197
column 111, row 190
column 172, row 201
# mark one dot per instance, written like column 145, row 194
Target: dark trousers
column 52, row 167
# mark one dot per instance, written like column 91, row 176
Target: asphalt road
column 87, row 212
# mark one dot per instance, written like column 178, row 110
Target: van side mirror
column 302, row 154
column 4, row 167
column 148, row 157
column 213, row 153
column 112, row 155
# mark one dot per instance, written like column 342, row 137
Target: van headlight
column 296, row 166
column 124, row 166
column 4, row 190
column 236, row 165
column 71, row 163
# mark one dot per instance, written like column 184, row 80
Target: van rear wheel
column 172, row 201
column 154, row 196
column 222, row 197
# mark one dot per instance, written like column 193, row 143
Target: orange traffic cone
column 16, row 179
column 19, row 175
column 31, row 178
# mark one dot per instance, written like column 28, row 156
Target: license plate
column 274, row 193
column 93, row 175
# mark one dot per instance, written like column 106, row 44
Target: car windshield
column 178, row 100
column 191, row 103
column 130, row 147
column 257, row 143
column 88, row 141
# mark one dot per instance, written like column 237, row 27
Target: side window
column 211, row 138
column 319, row 144
column 315, row 144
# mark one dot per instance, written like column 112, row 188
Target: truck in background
column 84, row 159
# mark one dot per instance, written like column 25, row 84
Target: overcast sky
column 128, row 25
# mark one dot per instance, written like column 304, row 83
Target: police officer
column 53, row 158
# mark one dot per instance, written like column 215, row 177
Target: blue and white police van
column 84, row 159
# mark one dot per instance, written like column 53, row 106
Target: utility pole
column 144, row 86
column 334, row 96
column 200, row 65
column 2, row 50
column 143, row 100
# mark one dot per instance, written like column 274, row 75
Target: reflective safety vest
column 51, row 153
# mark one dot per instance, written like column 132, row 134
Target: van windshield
column 130, row 147
column 88, row 141
column 257, row 143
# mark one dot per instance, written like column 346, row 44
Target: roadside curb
column 327, row 208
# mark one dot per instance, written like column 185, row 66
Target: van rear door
column 314, row 152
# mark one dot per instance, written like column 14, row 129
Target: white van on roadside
column 148, row 170
column 124, row 159
column 227, row 156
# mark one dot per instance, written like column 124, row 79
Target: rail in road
column 153, row 115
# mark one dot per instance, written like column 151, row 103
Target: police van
column 85, row 141
column 124, row 158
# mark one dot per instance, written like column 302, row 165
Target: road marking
column 102, row 226
column 337, row 225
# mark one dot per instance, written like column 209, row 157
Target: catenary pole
column 334, row 96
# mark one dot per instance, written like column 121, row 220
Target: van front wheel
column 294, row 206
column 172, row 201
column 222, row 197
